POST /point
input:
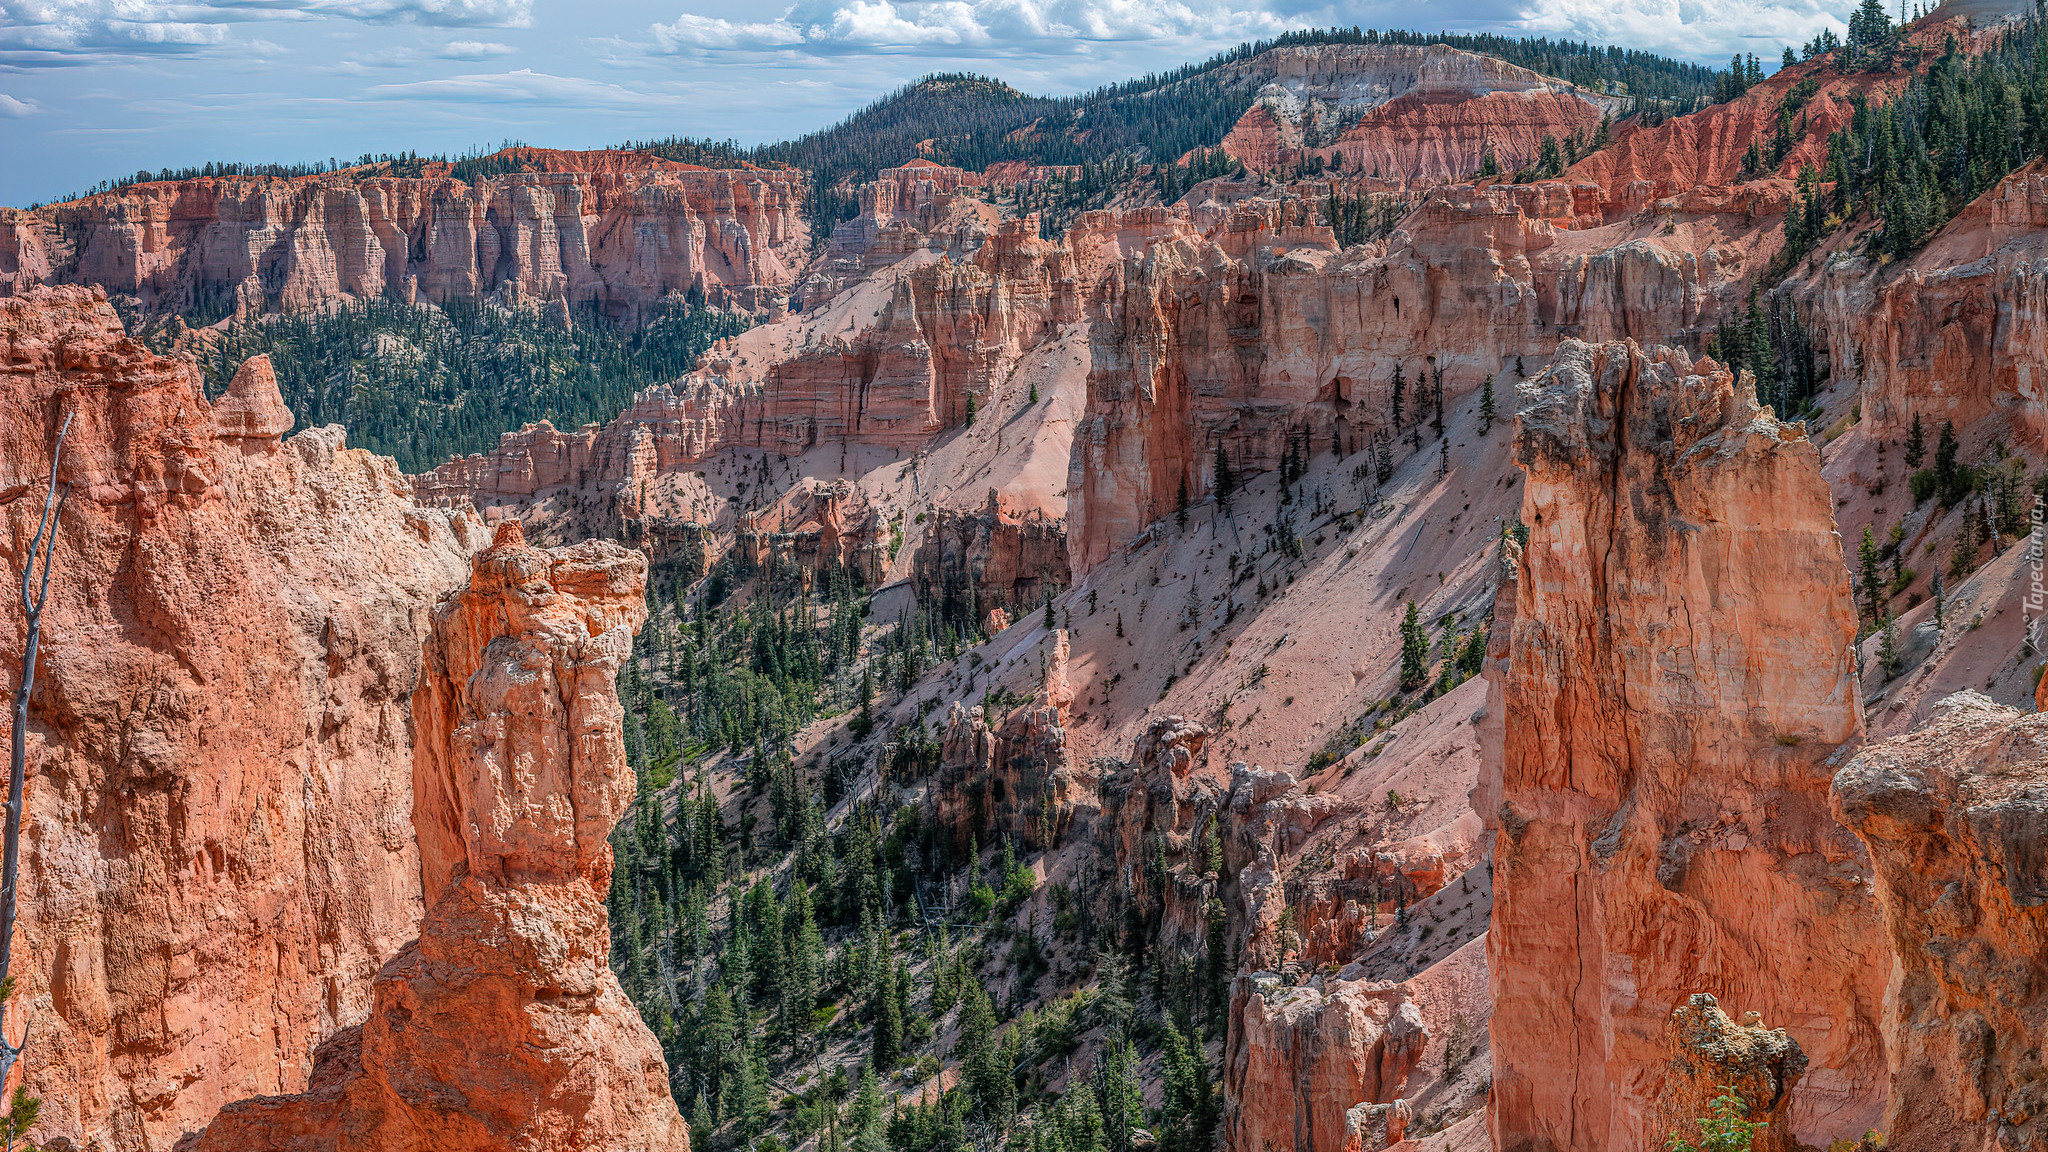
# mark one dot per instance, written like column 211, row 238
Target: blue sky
column 96, row 88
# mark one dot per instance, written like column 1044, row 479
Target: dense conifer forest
column 424, row 384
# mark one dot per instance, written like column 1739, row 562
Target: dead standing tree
column 35, row 591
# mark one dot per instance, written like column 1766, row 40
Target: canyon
column 1417, row 676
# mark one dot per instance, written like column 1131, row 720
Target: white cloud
column 1688, row 28
column 523, row 86
column 1695, row 29
column 1025, row 26
column 12, row 109
column 437, row 13
column 55, row 32
column 473, row 50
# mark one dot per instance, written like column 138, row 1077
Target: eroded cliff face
column 1260, row 334
column 217, row 854
column 502, row 1025
column 585, row 229
column 1402, row 111
column 991, row 558
column 1955, row 817
column 1680, row 679
column 1957, row 333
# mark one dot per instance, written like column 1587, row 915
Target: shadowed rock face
column 502, row 1026
column 217, row 849
column 1680, row 678
column 1955, row 816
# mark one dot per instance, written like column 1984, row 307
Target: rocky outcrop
column 920, row 207
column 1401, row 111
column 1955, row 817
column 585, row 228
column 1013, row 779
column 1302, row 1059
column 816, row 527
column 990, row 559
column 1957, row 333
column 1680, row 677
column 893, row 365
column 502, row 1025
column 217, row 853
column 1713, row 1057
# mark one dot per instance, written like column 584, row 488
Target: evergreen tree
column 1414, row 649
column 1868, row 563
column 1398, row 385
column 982, row 1074
column 1916, row 444
column 1225, row 481
column 1486, row 406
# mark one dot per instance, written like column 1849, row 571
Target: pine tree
column 1946, row 475
column 1520, row 373
column 1869, row 566
column 1226, row 480
column 1486, row 406
column 1889, row 657
column 1940, row 601
column 1180, row 505
column 1916, row 444
column 982, row 1075
column 1119, row 1093
column 1399, row 386
column 1414, row 649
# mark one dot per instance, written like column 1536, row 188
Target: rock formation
column 813, row 527
column 217, row 853
column 1957, row 333
column 919, row 207
column 1713, row 1056
column 990, row 559
column 1680, row 678
column 502, row 1026
column 620, row 231
column 1402, row 111
column 1259, row 336
column 1955, row 817
column 1014, row 778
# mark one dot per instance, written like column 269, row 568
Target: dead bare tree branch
column 34, row 593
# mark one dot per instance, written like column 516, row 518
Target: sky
column 91, row 89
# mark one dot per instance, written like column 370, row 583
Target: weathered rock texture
column 1713, row 1056
column 1680, row 676
column 617, row 230
column 815, row 527
column 1955, row 817
column 1957, row 333
column 1414, row 112
column 1013, row 778
column 920, row 207
column 502, row 1026
column 217, row 853
column 1260, row 335
column 990, row 559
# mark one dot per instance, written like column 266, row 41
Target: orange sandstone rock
column 1955, row 816
column 1680, row 678
column 217, row 852
column 580, row 228
column 502, row 1026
